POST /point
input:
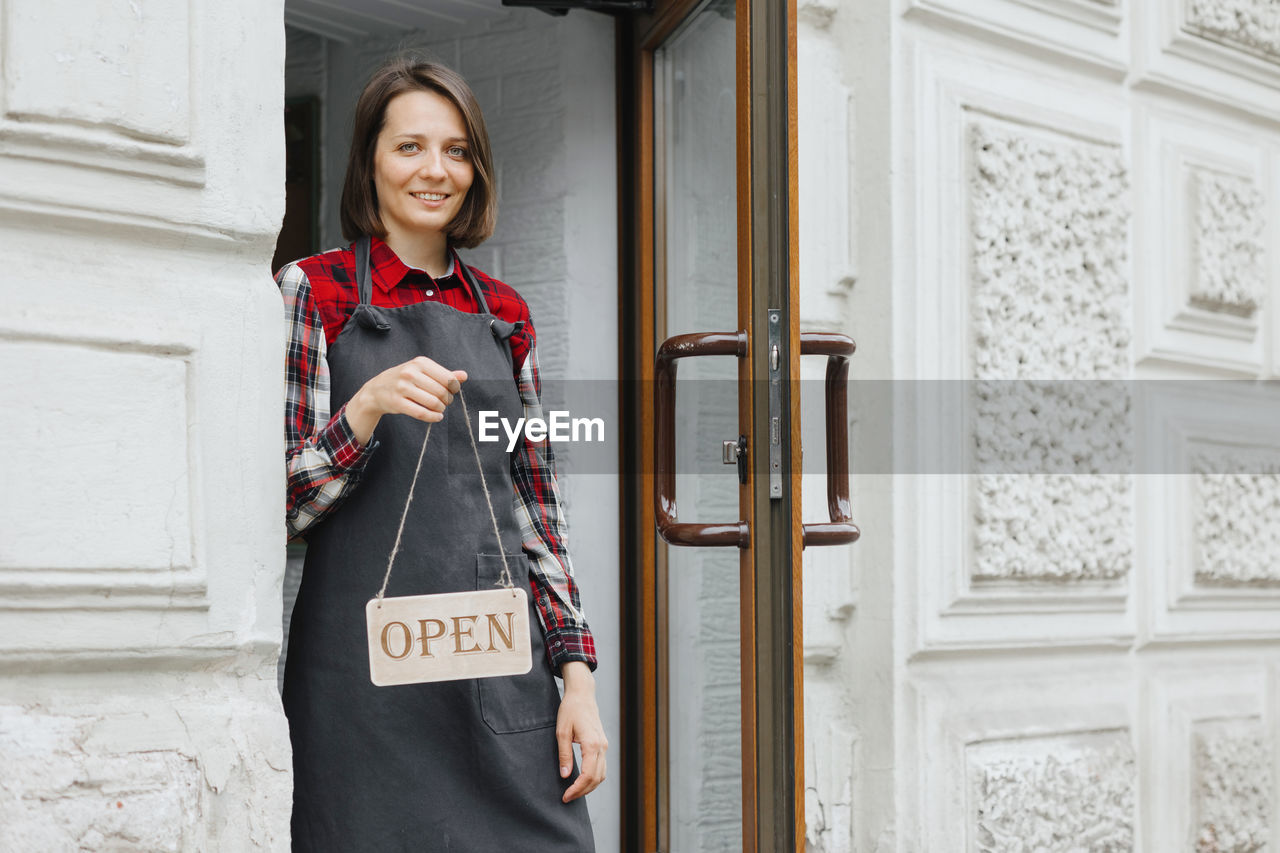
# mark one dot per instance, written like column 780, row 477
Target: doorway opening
column 546, row 86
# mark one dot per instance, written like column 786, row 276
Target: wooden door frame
column 770, row 621
column 778, row 530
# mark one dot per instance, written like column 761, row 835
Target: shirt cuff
column 570, row 644
column 348, row 455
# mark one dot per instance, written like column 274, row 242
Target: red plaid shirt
column 324, row 460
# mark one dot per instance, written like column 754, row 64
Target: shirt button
column 431, row 293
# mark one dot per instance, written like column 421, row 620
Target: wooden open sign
column 420, row 638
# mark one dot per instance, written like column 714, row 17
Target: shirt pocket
column 517, row 703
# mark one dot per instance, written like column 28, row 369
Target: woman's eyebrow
column 408, row 135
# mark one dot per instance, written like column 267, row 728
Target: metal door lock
column 736, row 451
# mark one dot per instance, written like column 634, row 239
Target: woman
column 382, row 336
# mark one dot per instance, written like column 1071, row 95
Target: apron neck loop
column 364, row 282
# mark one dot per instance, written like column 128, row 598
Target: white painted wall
column 141, row 189
column 958, row 697
column 546, row 85
column 1058, row 188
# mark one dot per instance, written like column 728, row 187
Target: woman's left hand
column 579, row 722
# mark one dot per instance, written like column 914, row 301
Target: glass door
column 711, row 534
column 699, row 714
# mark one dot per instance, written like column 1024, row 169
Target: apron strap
column 363, row 283
column 471, row 283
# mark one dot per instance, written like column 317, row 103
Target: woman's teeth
column 430, row 196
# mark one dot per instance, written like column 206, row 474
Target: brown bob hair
column 479, row 212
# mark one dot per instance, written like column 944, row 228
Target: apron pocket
column 517, row 703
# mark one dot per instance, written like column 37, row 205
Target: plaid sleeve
column 544, row 532
column 323, row 460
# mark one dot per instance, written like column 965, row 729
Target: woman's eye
column 409, row 146
column 458, row 151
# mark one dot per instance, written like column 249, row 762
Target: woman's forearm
column 362, row 417
column 577, row 677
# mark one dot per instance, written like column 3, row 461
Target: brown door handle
column 837, row 348
column 672, row 350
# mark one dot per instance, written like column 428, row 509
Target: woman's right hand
column 420, row 388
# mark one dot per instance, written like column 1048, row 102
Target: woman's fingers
column 421, row 388
column 578, row 788
column 449, row 380
column 424, row 389
column 594, row 765
column 564, row 742
column 590, row 777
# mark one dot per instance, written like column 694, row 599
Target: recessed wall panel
column 99, row 68
column 1023, row 292
column 98, row 473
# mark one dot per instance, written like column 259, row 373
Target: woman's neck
column 424, row 251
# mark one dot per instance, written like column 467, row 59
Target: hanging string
column 505, row 579
column 403, row 515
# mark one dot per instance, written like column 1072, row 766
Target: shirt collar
column 387, row 270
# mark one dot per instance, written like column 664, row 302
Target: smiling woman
column 413, row 137
column 422, row 171
column 384, row 334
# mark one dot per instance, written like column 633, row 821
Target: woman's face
column 421, row 154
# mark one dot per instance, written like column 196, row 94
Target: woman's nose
column 432, row 164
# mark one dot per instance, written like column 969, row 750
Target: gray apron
column 449, row 766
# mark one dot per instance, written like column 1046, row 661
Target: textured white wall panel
column 1208, row 566
column 1203, row 256
column 1021, row 184
column 1230, row 221
column 1250, row 25
column 1234, row 784
column 1237, row 522
column 1030, row 754
column 1209, row 754
column 1050, row 232
column 1219, row 50
column 1067, row 792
